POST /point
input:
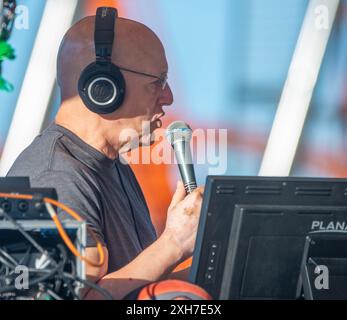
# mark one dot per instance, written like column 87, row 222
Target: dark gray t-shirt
column 105, row 192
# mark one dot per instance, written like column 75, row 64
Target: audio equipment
column 101, row 85
column 34, row 251
column 179, row 135
column 24, row 209
column 41, row 256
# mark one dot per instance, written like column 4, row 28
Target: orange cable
column 61, row 230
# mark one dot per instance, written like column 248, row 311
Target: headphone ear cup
column 102, row 87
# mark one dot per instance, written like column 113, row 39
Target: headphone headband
column 104, row 32
column 101, row 85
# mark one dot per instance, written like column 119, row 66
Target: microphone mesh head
column 178, row 131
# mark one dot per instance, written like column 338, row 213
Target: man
column 79, row 155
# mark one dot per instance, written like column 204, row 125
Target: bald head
column 135, row 47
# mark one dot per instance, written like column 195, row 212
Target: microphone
column 179, row 135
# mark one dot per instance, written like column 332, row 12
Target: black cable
column 7, row 267
column 9, row 257
column 71, row 288
column 61, row 271
column 13, row 266
column 25, row 234
column 68, row 281
column 58, row 269
column 11, row 263
column 92, row 285
column 63, row 256
column 33, row 282
column 2, row 269
column 73, row 267
column 7, row 263
column 25, row 259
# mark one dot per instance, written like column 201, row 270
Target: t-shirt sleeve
column 77, row 194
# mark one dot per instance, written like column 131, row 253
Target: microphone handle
column 185, row 165
column 187, row 171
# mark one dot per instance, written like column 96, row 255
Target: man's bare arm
column 158, row 260
column 180, row 275
column 155, row 262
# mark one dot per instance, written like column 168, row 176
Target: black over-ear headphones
column 101, row 85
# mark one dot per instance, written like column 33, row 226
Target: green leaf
column 6, row 51
column 5, row 85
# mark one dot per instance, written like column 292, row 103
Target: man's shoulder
column 47, row 153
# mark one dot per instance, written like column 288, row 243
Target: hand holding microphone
column 184, row 211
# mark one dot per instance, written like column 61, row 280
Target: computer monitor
column 252, row 233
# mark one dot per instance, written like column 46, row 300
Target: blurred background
column 228, row 61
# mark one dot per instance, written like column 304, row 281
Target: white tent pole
column 39, row 80
column 297, row 92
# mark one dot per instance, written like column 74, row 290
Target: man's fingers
column 201, row 189
column 179, row 194
column 198, row 192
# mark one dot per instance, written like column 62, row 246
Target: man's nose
column 166, row 97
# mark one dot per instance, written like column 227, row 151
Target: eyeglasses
column 162, row 79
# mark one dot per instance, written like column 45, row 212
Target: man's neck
column 90, row 129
